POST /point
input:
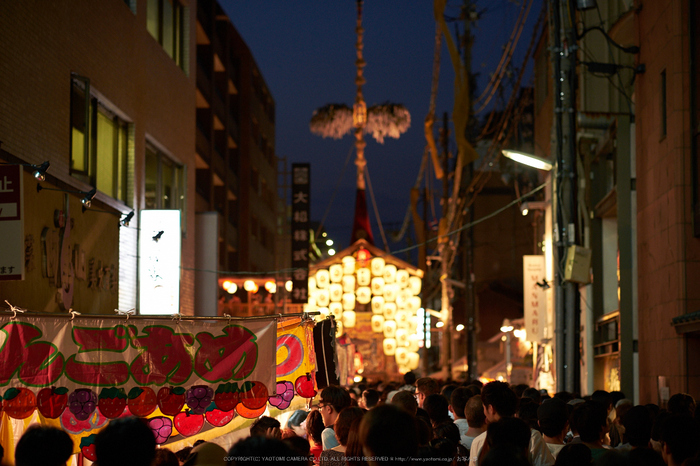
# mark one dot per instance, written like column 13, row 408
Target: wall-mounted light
column 123, row 222
column 89, row 196
column 528, row 159
column 87, row 199
column 543, row 284
column 459, row 327
column 507, row 326
column 158, row 236
column 526, row 207
column 39, row 170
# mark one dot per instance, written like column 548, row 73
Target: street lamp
column 528, row 159
column 507, row 329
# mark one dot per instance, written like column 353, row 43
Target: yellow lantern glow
column 348, row 301
column 402, row 278
column 289, row 285
column 401, row 355
column 402, row 325
column 377, row 324
column 401, row 337
column 349, row 319
column 389, row 311
column 376, row 265
column 389, row 345
column 402, row 298
column 312, row 303
column 413, row 346
column 323, row 279
column 311, row 283
column 389, row 273
column 390, row 292
column 249, row 285
column 414, row 283
column 389, row 328
column 413, row 360
column 363, row 276
column 411, row 326
column 363, row 294
column 230, row 287
column 413, row 304
column 336, row 273
column 348, row 265
column 339, row 328
column 336, row 310
column 401, row 317
column 336, row 292
column 323, row 297
column 325, row 312
column 377, row 305
column 377, row 286
column 271, row 287
column 348, row 283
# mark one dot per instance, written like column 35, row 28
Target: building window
column 165, row 181
column 104, row 161
column 164, row 19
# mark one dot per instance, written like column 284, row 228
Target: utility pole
column 444, row 244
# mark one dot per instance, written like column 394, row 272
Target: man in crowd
column 425, row 386
column 333, row 400
column 553, row 418
column 474, row 414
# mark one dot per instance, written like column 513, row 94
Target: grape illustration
column 82, row 403
column 199, row 398
column 162, row 428
column 285, row 393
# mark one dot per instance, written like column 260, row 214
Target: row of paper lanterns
column 392, row 294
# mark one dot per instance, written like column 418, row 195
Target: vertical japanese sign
column 159, row 262
column 535, row 303
column 11, row 223
column 301, row 207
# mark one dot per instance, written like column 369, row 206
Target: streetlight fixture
column 507, row 329
column 528, row 159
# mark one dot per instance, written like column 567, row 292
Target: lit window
column 165, row 182
column 164, row 20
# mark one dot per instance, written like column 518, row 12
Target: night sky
column 306, row 51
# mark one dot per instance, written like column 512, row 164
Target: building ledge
column 687, row 323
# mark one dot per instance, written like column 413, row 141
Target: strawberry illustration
column 82, row 403
column 227, row 396
column 112, row 402
column 51, row 401
column 254, row 395
column 171, row 400
column 218, row 417
column 199, row 398
column 20, row 403
column 162, row 428
column 87, row 447
column 142, row 401
column 189, row 424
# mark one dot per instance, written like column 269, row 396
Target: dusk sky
column 305, row 50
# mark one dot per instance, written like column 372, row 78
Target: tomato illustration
column 254, row 395
column 20, row 403
column 51, row 401
column 171, row 400
column 142, row 401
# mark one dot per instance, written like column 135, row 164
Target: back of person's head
column 616, row 395
column 500, row 397
column 505, row 456
column 509, row 432
column 165, row 457
column 183, row 454
column 250, row 450
column 443, row 450
column 336, row 396
column 437, row 408
column 425, row 431
column 681, row 435
column 564, row 396
column 682, row 403
column 314, row 426
column 589, row 419
column 344, row 421
column 405, row 399
column 132, row 431
column 447, row 429
column 44, row 446
column 262, row 424
column 447, row 390
column 604, row 398
column 533, row 394
column 427, row 386
column 371, row 397
column 409, row 378
column 622, row 407
column 519, row 389
column 206, row 454
column 299, row 445
column 574, row 454
column 474, row 412
column 458, row 400
column 637, row 422
column 552, row 416
column 527, row 411
column 389, row 431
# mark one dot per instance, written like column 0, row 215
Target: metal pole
column 445, row 259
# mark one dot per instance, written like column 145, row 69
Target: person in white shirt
column 458, row 400
column 474, row 412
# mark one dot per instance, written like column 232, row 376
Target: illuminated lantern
column 413, row 346
column 348, row 283
column 363, row 277
column 401, row 355
column 336, row 273
column 413, row 304
column 324, row 312
column 377, row 266
column 289, row 285
column 389, row 328
column 389, row 346
column 411, row 326
column 377, row 324
column 348, row 301
column 377, row 305
column 402, row 325
column 414, row 283
column 249, row 285
column 402, row 298
column 336, row 310
column 389, row 311
column 389, row 273
column 390, row 292
column 348, row 265
column 401, row 317
column 349, row 319
column 312, row 302
column 271, row 287
column 336, row 292
column 402, row 278
column 312, row 285
column 364, row 295
column 363, row 257
column 230, row 287
column 323, row 279
column 401, row 337
column 413, row 360
column 323, row 298
column 377, row 286
column 339, row 328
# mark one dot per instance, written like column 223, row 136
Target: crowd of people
column 419, row 421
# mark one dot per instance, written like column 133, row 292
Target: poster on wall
column 535, row 302
column 11, row 223
column 159, row 262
